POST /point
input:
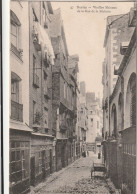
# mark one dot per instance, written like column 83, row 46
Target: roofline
column 123, row 63
column 127, row 54
column 108, row 26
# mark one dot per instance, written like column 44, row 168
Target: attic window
column 123, row 47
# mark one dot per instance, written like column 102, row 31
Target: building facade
column 117, row 31
column 94, row 119
column 20, row 132
column 83, row 117
column 119, row 145
column 41, row 59
column 64, row 94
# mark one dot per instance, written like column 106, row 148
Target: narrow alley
column 76, row 178
column 72, row 105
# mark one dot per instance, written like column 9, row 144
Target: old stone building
column 41, row 59
column 43, row 111
column 83, row 117
column 120, row 142
column 117, row 31
column 20, row 132
column 64, row 95
column 94, row 119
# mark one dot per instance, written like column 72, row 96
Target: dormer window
column 123, row 47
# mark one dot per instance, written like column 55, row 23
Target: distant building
column 83, row 117
column 90, row 98
column 82, row 88
column 94, row 120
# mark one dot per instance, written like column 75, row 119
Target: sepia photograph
column 72, row 97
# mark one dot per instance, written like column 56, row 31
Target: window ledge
column 16, row 52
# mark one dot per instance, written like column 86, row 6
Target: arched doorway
column 130, row 107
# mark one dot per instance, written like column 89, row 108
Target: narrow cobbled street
column 76, row 178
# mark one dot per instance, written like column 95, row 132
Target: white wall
column 22, row 69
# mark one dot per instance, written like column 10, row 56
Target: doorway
column 50, row 161
column 32, row 171
column 43, row 165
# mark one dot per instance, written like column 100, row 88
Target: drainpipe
column 109, row 89
column 41, row 90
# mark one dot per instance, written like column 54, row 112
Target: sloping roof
column 56, row 29
column 20, row 126
column 55, row 24
column 127, row 54
column 49, row 7
column 73, row 61
column 55, row 44
column 111, row 20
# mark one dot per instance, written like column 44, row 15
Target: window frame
column 15, row 91
column 15, row 35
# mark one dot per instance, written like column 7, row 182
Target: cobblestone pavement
column 74, row 179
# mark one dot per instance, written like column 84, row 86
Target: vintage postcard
column 72, row 97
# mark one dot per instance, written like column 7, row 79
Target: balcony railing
column 16, row 111
column 35, row 80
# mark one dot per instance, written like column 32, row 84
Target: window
column 15, row 25
column 16, row 106
column 91, row 122
column 45, row 117
column 14, row 90
column 35, row 76
column 64, row 90
column 34, row 111
column 40, row 162
column 19, row 160
column 34, row 65
column 45, row 82
column 14, row 35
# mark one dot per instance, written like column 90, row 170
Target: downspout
column 42, row 127
column 41, row 90
column 109, row 89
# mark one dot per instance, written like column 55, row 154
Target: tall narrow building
column 64, row 95
column 20, row 132
column 41, row 60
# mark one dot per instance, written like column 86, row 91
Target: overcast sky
column 85, row 36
